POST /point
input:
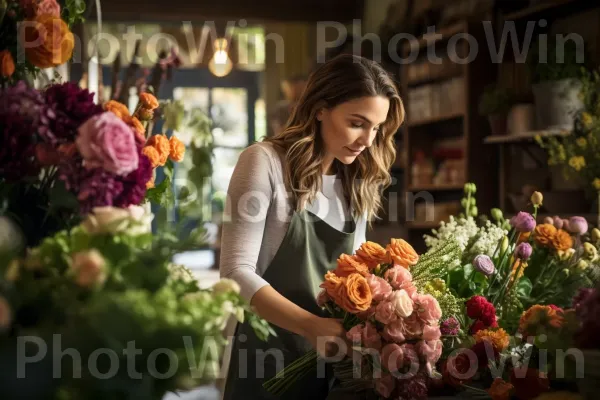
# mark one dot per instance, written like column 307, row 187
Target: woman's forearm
column 279, row 311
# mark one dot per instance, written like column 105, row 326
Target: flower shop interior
column 500, row 147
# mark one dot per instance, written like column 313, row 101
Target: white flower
column 402, row 303
column 226, row 285
column 133, row 220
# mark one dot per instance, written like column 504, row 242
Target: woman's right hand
column 327, row 336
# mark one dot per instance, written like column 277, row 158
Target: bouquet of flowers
column 393, row 326
column 108, row 287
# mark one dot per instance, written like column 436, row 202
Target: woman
column 297, row 201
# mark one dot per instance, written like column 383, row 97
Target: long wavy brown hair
column 343, row 78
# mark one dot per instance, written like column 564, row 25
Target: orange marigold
column 347, row 265
column 119, row 109
column 177, row 149
column 402, row 253
column 372, row 254
column 500, row 389
column 148, row 101
column 543, row 234
column 152, row 154
column 161, row 144
column 562, row 240
column 52, row 41
column 539, row 316
column 498, row 338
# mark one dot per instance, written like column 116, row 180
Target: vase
column 556, row 103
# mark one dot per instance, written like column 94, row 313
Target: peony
column 225, row 285
column 427, row 308
column 484, row 264
column 385, row 312
column 51, row 41
column 89, row 268
column 6, row 316
column 177, row 149
column 372, row 254
column 578, row 225
column 402, row 303
column 347, row 265
column 401, row 279
column 385, row 385
column 380, row 289
column 106, row 141
column 402, row 253
column 523, row 222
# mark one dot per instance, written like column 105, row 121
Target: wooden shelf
column 423, row 225
column 435, row 79
column 551, row 9
column 435, row 120
column 436, row 188
column 524, row 137
column 424, row 40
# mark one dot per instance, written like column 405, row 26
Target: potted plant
column 495, row 103
column 556, row 69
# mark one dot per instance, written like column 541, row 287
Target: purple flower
column 580, row 298
column 450, row 327
column 68, row 106
column 134, row 184
column 523, row 222
column 484, row 264
column 523, row 251
column 578, row 225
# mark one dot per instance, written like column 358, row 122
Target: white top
column 258, row 211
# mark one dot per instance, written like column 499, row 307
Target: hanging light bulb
column 220, row 64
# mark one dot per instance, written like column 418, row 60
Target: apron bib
column 309, row 249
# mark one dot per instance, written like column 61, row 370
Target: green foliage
column 496, row 100
column 555, row 61
column 72, row 11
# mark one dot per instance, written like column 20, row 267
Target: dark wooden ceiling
column 251, row 10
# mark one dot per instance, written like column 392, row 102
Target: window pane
column 229, row 113
column 260, row 119
column 225, row 160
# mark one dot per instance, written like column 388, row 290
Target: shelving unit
column 436, row 120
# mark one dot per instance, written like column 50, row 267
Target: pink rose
column 370, row 337
column 48, row 7
column 410, row 354
column 427, row 308
column 398, row 276
column 402, row 303
column 354, row 335
column 430, row 351
column 392, row 357
column 380, row 289
column 431, row 332
column 106, row 141
column 89, row 268
column 412, row 327
column 385, row 313
column 322, row 298
column 394, row 331
column 385, row 385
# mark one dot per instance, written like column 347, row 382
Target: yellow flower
column 597, row 183
column 586, row 119
column 582, row 142
column 577, row 162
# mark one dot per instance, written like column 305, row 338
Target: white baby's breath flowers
column 226, row 285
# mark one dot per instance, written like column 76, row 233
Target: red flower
column 555, row 308
column 475, row 306
column 481, row 350
column 457, row 370
column 529, row 383
column 488, row 315
column 477, row 326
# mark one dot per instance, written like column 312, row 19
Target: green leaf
column 468, row 270
column 161, row 194
column 524, row 287
column 60, row 197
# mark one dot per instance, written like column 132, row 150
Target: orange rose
column 500, row 390
column 7, row 64
column 543, row 234
column 372, row 254
column 562, row 241
column 401, row 253
column 347, row 265
column 177, row 149
column 48, row 41
column 148, row 101
column 152, row 155
column 334, row 286
column 161, row 144
column 358, row 296
column 119, row 109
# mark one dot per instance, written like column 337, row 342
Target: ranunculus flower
column 162, row 146
column 106, row 142
column 89, row 268
column 385, row 312
column 523, row 251
column 402, row 303
column 357, row 297
column 225, row 285
column 431, row 332
column 51, row 41
column 347, row 265
column 484, row 264
column 117, row 108
column 402, row 253
column 385, row 385
column 544, row 234
column 148, row 100
column 7, row 64
column 177, row 149
column 401, row 279
column 578, row 225
column 427, row 308
column 523, row 222
column 380, row 289
column 562, row 240
column 6, row 315
column 372, row 254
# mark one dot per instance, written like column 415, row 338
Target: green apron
column 309, row 249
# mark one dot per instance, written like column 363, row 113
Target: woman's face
column 349, row 128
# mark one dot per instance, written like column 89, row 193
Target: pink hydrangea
column 427, row 308
column 380, row 288
column 106, row 141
